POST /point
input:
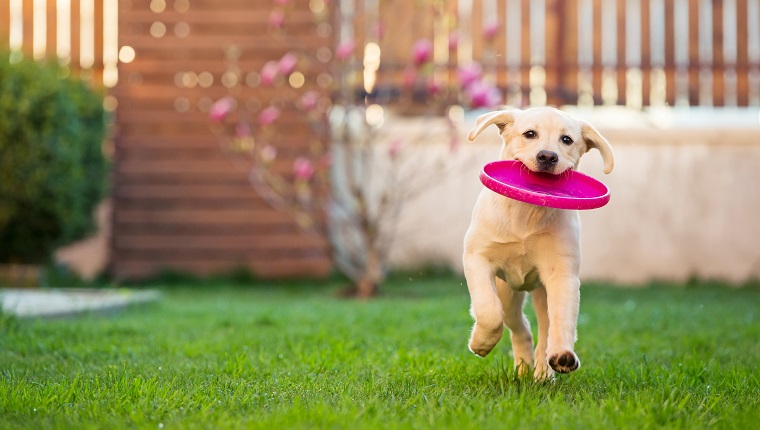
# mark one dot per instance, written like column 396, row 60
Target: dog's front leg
column 485, row 305
column 562, row 303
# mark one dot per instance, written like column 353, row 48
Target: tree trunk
column 366, row 289
column 368, row 284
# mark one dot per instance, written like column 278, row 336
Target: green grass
column 295, row 356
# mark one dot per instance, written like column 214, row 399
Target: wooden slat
column 28, row 29
column 202, row 215
column 220, row 254
column 75, row 35
column 5, row 24
column 718, row 78
column 186, row 229
column 288, row 117
column 646, row 54
column 563, row 45
column 167, row 68
column 52, row 28
column 526, row 48
column 306, row 267
column 161, row 146
column 255, row 18
column 208, row 5
column 742, row 84
column 670, row 80
column 694, row 53
column 147, row 128
column 219, row 242
column 263, row 45
column 596, row 71
column 621, row 78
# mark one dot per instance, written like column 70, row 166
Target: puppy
column 513, row 248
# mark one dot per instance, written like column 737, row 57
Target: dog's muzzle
column 547, row 160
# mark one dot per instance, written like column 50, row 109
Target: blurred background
column 297, row 138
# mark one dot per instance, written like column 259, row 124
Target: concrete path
column 26, row 303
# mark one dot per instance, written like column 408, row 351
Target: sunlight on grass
column 294, row 356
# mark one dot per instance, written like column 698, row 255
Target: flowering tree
column 331, row 188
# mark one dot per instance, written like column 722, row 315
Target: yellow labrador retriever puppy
column 512, row 248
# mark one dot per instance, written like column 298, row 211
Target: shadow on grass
column 411, row 284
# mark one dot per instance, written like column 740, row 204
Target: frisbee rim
column 540, row 199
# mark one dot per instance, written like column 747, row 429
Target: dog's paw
column 564, row 362
column 482, row 340
column 543, row 373
column 480, row 349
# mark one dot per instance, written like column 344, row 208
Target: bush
column 52, row 169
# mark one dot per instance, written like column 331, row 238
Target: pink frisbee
column 570, row 190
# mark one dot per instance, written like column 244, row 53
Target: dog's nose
column 547, row 158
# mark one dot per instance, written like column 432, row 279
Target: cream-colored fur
column 513, row 248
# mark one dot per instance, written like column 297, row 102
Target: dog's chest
column 516, row 234
column 513, row 262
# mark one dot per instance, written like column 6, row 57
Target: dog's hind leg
column 519, row 327
column 486, row 307
column 542, row 370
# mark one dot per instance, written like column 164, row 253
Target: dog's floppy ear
column 501, row 118
column 595, row 140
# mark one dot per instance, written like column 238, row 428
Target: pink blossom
column 303, row 168
column 288, row 63
column 309, row 100
column 268, row 154
column 433, row 87
column 491, row 30
column 221, row 108
column 469, row 74
column 345, row 49
column 422, row 52
column 276, row 19
column 483, row 95
column 269, row 72
column 395, row 148
column 409, row 77
column 281, row 2
column 269, row 115
column 242, row 129
column 453, row 41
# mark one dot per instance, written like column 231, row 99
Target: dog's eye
column 567, row 140
column 530, row 134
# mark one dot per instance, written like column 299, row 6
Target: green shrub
column 52, row 169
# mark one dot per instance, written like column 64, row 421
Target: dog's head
column 545, row 139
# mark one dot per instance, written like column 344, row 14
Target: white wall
column 685, row 201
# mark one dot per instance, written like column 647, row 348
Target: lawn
column 221, row 355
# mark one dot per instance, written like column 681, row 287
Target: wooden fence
column 180, row 202
column 81, row 34
column 588, row 52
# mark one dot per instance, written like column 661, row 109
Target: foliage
column 354, row 140
column 52, row 170
column 292, row 356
